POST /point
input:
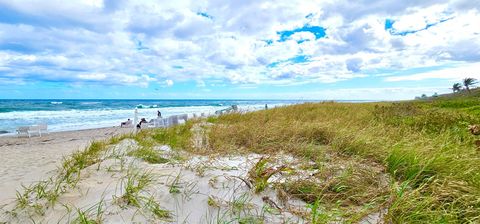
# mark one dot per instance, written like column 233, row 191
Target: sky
column 237, row 49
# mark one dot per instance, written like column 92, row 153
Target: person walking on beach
column 266, row 107
column 159, row 114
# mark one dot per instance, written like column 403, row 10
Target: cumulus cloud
column 168, row 82
column 240, row 42
column 453, row 74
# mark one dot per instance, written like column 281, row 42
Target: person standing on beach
column 159, row 114
column 266, row 107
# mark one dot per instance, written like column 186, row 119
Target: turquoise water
column 62, row 115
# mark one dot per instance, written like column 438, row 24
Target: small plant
column 92, row 215
column 149, row 155
column 134, row 183
column 250, row 220
column 260, row 173
column 22, row 200
column 83, row 218
column 212, row 202
column 174, row 186
column 241, row 204
column 39, row 209
column 156, row 210
column 316, row 216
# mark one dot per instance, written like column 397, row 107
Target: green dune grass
column 424, row 146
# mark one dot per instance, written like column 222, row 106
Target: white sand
column 27, row 160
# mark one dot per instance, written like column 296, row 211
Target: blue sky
column 240, row 49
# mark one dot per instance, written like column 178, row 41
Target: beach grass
column 134, row 184
column 149, row 155
column 91, row 215
column 423, row 145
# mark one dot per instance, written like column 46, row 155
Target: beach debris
column 474, row 129
column 247, row 182
column 231, row 109
column 271, row 203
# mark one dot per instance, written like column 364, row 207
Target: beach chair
column 126, row 124
column 183, row 117
column 152, row 123
column 34, row 129
column 24, row 130
column 173, row 120
column 160, row 123
column 181, row 121
column 42, row 128
column 144, row 125
column 165, row 122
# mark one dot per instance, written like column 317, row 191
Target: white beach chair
column 152, row 123
column 144, row 125
column 183, row 117
column 161, row 122
column 24, row 130
column 42, row 128
column 34, row 129
column 126, row 124
column 181, row 121
column 173, row 120
column 165, row 122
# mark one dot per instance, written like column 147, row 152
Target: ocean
column 65, row 115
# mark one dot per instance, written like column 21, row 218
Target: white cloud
column 452, row 74
column 94, row 77
column 117, row 42
column 168, row 82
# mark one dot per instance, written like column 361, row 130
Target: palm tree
column 457, row 87
column 467, row 82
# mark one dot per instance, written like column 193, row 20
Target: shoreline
column 27, row 160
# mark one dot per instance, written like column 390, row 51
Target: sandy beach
column 179, row 188
column 26, row 160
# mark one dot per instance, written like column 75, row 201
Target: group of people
column 143, row 120
column 139, row 125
